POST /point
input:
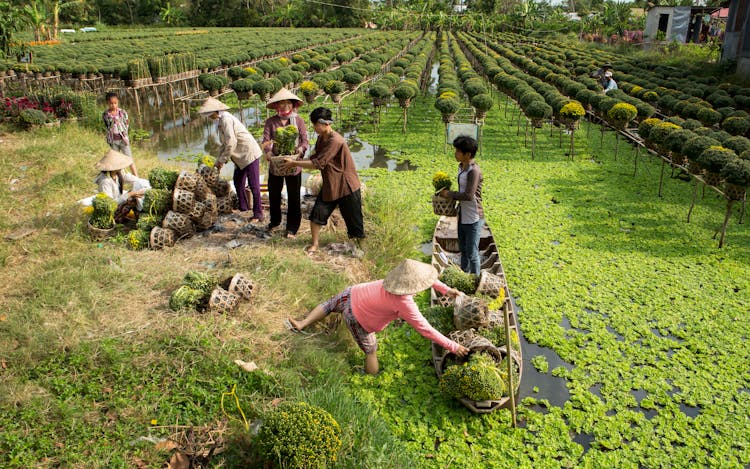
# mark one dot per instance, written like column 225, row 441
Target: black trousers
column 294, row 212
column 350, row 207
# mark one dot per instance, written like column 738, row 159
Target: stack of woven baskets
column 197, row 201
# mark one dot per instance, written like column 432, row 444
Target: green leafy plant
column 309, row 88
column 572, row 111
column 299, row 435
column 138, row 239
column 644, row 128
column 714, row 158
column 441, row 180
column 103, row 216
column 462, row 281
column 736, row 171
column 334, row 87
column 29, row 118
column 186, row 299
column 538, row 110
column 157, row 201
column 622, row 112
column 447, row 104
column 285, row 140
column 160, row 178
column 482, row 102
column 479, row 379
column 147, row 222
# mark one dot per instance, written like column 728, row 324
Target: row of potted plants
column 705, row 100
column 473, row 85
column 231, row 47
column 269, row 76
column 724, row 160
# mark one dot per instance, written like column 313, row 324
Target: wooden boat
column 445, row 252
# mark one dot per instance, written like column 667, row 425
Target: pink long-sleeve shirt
column 374, row 308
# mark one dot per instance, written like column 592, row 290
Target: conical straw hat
column 284, row 95
column 410, row 277
column 212, row 105
column 113, row 161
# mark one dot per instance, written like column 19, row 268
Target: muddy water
column 177, row 138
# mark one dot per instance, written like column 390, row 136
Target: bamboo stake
column 742, row 212
column 692, row 204
column 635, row 160
column 511, row 389
column 726, row 222
column 661, row 178
column 572, row 143
column 617, row 143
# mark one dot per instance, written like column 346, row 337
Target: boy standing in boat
column 469, row 195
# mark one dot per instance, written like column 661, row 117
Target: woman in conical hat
column 368, row 308
column 240, row 146
column 285, row 103
column 112, row 178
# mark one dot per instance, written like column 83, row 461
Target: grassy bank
column 91, row 356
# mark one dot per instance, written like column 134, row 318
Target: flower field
column 647, row 315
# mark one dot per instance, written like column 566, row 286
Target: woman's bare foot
column 295, row 324
column 310, row 250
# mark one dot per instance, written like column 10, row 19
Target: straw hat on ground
column 284, row 95
column 114, row 161
column 211, row 105
column 410, row 277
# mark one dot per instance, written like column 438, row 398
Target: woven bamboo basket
column 224, row 204
column 179, row 222
column 210, row 204
column 162, row 238
column 222, row 301
column 242, row 286
column 470, row 313
column 210, row 175
column 99, row 234
column 196, row 213
column 206, row 221
column 186, row 181
column 735, row 192
column 182, row 201
column 443, row 206
column 221, row 188
column 490, row 284
column 496, row 318
column 201, row 189
column 713, row 179
column 445, row 300
column 275, row 165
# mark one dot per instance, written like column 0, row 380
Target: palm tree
column 171, row 15
column 57, row 6
column 36, row 14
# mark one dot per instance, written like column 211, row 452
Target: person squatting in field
column 368, row 308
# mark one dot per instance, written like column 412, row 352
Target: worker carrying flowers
column 240, row 146
column 285, row 103
column 368, row 308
